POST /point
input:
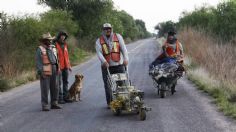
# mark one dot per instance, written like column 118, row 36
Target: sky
column 150, row 11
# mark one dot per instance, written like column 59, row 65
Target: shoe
column 61, row 102
column 56, row 106
column 108, row 106
column 45, row 109
column 68, row 100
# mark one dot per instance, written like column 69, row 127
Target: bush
column 219, row 21
column 215, row 57
column 19, row 40
column 56, row 20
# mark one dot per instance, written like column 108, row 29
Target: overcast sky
column 150, row 11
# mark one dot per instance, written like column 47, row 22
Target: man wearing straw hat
column 48, row 69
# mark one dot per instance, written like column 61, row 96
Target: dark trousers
column 63, row 84
column 49, row 83
column 154, row 63
column 113, row 70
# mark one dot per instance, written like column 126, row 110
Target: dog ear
column 81, row 76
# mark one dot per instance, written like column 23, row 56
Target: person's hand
column 125, row 62
column 43, row 76
column 174, row 56
column 105, row 65
column 58, row 71
column 70, row 69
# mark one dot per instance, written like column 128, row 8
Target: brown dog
column 75, row 88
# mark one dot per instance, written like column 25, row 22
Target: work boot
column 45, row 108
column 68, row 100
column 61, row 101
column 56, row 106
column 108, row 106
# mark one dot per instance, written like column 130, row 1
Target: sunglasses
column 106, row 28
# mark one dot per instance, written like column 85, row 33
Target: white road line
column 136, row 48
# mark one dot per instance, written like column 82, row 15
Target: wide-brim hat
column 47, row 36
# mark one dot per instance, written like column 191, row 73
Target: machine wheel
column 162, row 90
column 142, row 115
column 162, row 94
column 117, row 112
column 158, row 91
column 173, row 89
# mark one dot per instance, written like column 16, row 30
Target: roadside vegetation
column 208, row 35
column 82, row 20
column 212, row 68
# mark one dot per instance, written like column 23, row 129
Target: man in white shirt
column 112, row 53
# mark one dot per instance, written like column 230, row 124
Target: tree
column 219, row 21
column 89, row 13
column 164, row 27
column 57, row 20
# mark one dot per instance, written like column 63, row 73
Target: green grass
column 4, row 85
column 219, row 91
column 78, row 56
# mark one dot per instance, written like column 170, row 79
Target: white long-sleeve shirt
column 109, row 41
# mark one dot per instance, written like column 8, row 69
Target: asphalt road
column 189, row 110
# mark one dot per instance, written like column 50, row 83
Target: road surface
column 189, row 110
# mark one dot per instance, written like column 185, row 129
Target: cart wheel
column 162, row 93
column 142, row 115
column 173, row 89
column 117, row 112
column 162, row 90
column 158, row 92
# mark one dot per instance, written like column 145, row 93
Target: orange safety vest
column 114, row 54
column 63, row 56
column 47, row 67
column 170, row 51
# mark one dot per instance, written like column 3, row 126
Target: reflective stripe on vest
column 114, row 55
column 106, row 50
column 47, row 67
column 115, row 47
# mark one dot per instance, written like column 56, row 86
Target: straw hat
column 47, row 36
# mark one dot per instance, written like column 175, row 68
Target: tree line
column 219, row 21
column 81, row 19
column 91, row 14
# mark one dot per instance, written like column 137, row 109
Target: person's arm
column 39, row 62
column 68, row 57
column 123, row 48
column 181, row 50
column 164, row 51
column 98, row 48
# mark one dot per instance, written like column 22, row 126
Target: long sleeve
column 181, row 49
column 123, row 47
column 39, row 62
column 99, row 51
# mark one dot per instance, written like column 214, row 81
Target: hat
column 106, row 25
column 171, row 33
column 62, row 33
column 47, row 36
